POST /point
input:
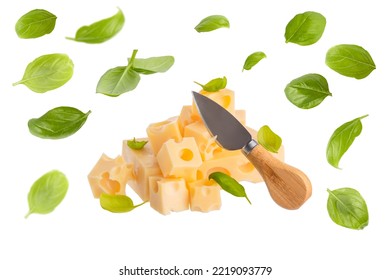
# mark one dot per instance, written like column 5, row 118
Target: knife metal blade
column 229, row 132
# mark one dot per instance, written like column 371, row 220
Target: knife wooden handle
column 288, row 186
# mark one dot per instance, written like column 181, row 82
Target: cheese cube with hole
column 169, row 195
column 180, row 159
column 186, row 117
column 109, row 176
column 224, row 97
column 205, row 196
column 233, row 163
column 159, row 133
column 153, row 181
column 206, row 143
column 144, row 165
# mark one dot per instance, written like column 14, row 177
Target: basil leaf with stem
column 350, row 61
column 47, row 193
column 305, row 29
column 100, row 31
column 229, row 184
column 47, row 72
column 214, row 85
column 153, row 65
column 269, row 139
column 341, row 139
column 252, row 60
column 58, row 123
column 135, row 144
column 117, row 203
column 347, row 208
column 35, row 23
column 119, row 80
column 211, row 23
column 307, row 91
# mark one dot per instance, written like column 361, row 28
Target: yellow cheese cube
column 144, row 165
column 253, row 132
column 186, row 117
column 204, row 196
column 240, row 116
column 235, row 164
column 206, row 143
column 160, row 132
column 180, row 159
column 224, row 97
column 168, row 194
column 109, row 176
column 153, row 181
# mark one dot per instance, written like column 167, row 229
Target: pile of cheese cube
column 171, row 171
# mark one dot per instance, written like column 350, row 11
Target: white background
column 79, row 240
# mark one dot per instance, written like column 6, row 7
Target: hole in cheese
column 217, row 169
column 186, row 154
column 217, row 151
column 155, row 188
column 225, row 101
column 247, row 167
column 209, row 183
column 110, row 186
column 211, row 147
column 199, row 175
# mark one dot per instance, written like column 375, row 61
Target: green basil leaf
column 153, row 65
column 214, row 85
column 100, row 31
column 307, row 91
column 117, row 81
column 252, row 60
column 350, row 60
column 136, row 145
column 47, row 72
column 269, row 139
column 58, row 123
column 35, row 23
column 117, row 203
column 341, row 139
column 229, row 184
column 47, row 193
column 211, row 23
column 305, row 29
column 347, row 208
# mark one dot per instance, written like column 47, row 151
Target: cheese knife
column 288, row 186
